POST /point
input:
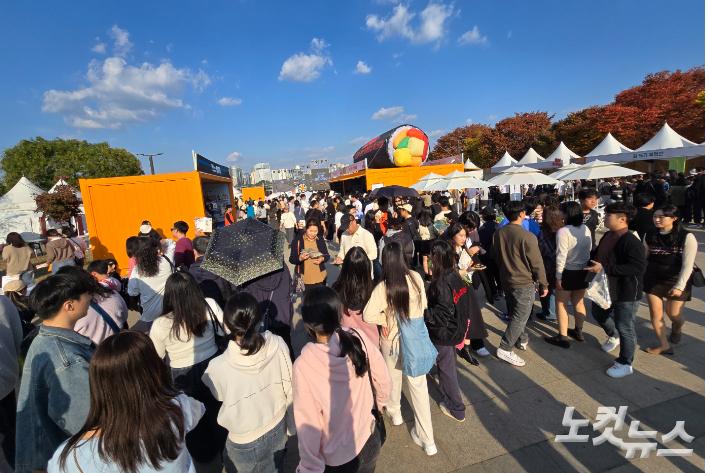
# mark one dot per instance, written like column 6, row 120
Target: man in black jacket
column 211, row 285
column 622, row 256
column 411, row 227
column 643, row 221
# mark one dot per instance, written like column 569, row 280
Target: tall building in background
column 297, row 174
column 261, row 172
column 238, row 177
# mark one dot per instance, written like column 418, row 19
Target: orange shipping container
column 402, row 176
column 254, row 193
column 115, row 207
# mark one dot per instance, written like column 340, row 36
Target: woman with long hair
column 252, row 380
column 671, row 252
column 131, row 249
column 187, row 332
column 354, row 287
column 17, row 254
column 333, row 398
column 148, row 278
column 312, row 268
column 137, row 418
column 547, row 244
column 574, row 246
column 457, row 236
column 396, row 299
column 447, row 319
column 372, row 225
column 428, row 235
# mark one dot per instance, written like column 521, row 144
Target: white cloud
column 317, row 152
column 169, row 47
column 473, row 37
column 436, row 133
column 404, row 118
column 234, row 157
column 204, row 61
column 119, row 94
column 303, row 67
column 469, row 121
column 431, row 28
column 492, row 117
column 396, row 55
column 99, row 48
column 121, row 45
column 358, row 141
column 510, row 33
column 229, row 101
column 385, row 113
column 362, row 68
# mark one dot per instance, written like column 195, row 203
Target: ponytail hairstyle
column 443, row 258
column 395, row 273
column 321, row 315
column 242, row 317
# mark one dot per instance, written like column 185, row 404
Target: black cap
column 453, row 216
column 486, row 211
column 346, row 219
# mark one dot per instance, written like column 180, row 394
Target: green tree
column 42, row 161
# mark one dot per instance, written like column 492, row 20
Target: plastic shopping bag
column 598, row 291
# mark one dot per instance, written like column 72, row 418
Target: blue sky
column 282, row 82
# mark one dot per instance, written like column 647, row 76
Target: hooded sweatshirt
column 332, row 406
column 59, row 250
column 255, row 390
column 273, row 292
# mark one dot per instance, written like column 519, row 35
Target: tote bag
column 418, row 353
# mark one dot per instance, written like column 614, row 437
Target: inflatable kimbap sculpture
column 403, row 146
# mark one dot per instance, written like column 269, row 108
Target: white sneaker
column 619, row 370
column 396, row 420
column 447, row 412
column 510, row 357
column 610, row 344
column 428, row 449
column 482, row 352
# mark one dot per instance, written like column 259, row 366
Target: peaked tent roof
column 609, row 145
column 469, row 166
column 21, row 196
column 62, row 182
column 505, row 162
column 666, row 137
column 531, row 156
column 562, row 153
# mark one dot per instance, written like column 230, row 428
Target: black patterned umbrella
column 244, row 251
column 394, row 191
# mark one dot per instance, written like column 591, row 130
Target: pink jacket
column 332, row 406
column 353, row 319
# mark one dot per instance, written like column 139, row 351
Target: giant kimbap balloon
column 403, row 146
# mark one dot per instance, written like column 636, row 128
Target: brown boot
column 576, row 334
column 659, row 351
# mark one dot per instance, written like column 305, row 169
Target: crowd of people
column 209, row 371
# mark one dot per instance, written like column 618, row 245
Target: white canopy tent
column 425, row 181
column 458, row 182
column 562, row 156
column 666, row 144
column 609, row 145
column 531, row 157
column 504, row 163
column 564, row 170
column 17, row 211
column 521, row 175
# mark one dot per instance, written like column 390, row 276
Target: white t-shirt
column 151, row 290
column 87, row 454
column 288, row 220
column 185, row 353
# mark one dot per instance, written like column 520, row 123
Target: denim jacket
column 54, row 395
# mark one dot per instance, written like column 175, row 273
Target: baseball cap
column 145, row 229
column 486, row 211
column 346, row 219
column 14, row 286
column 406, row 207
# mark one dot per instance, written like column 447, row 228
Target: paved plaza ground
column 513, row 414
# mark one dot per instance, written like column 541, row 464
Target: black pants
column 698, row 210
column 493, row 275
column 365, row 461
column 8, row 413
column 306, row 287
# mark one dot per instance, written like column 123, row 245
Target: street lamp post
column 150, row 158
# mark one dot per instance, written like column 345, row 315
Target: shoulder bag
column 107, row 318
column 696, row 278
column 265, row 319
column 219, row 340
column 379, row 418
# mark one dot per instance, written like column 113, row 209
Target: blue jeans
column 263, row 455
column 520, row 303
column 620, row 326
column 28, row 277
column 61, row 264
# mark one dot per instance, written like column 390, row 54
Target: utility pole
column 150, row 158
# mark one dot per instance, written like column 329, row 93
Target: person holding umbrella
column 311, row 268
